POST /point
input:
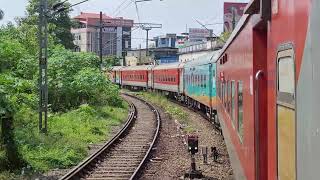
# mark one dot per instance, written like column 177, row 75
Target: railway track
column 125, row 154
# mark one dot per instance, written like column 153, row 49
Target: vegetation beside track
column 171, row 108
column 83, row 103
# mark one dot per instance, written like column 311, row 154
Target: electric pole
column 147, row 42
column 147, row 27
column 1, row 14
column 100, row 40
column 43, row 66
column 233, row 18
column 44, row 13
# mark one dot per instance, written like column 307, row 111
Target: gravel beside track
column 171, row 159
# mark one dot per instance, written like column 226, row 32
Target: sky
column 174, row 15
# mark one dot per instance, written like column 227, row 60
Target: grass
column 174, row 110
column 69, row 135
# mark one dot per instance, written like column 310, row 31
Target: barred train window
column 240, row 109
column 233, row 101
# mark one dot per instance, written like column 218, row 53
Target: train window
column 230, row 97
column 286, row 114
column 203, row 81
column 240, row 109
column 286, row 77
column 226, row 94
column 233, row 102
column 222, row 92
column 218, row 88
column 192, row 77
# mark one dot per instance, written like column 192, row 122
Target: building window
column 240, row 109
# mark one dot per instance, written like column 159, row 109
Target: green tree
column 59, row 23
column 224, row 36
column 110, row 61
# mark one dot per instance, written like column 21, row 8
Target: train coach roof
column 211, row 57
column 132, row 68
column 116, row 68
column 168, row 66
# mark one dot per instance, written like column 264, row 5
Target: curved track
column 124, row 155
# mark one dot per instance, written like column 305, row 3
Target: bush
column 75, row 79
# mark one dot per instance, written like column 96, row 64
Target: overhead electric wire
column 137, row 10
column 119, row 7
column 123, row 8
column 209, row 30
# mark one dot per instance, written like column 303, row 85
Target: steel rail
column 81, row 170
column 76, row 172
column 136, row 173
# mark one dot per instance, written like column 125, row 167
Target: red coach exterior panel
column 289, row 25
column 135, row 76
column 236, row 64
column 243, row 56
column 166, row 77
column 139, row 76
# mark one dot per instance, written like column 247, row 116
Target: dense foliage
column 83, row 103
column 59, row 23
column 75, row 79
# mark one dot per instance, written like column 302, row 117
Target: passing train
column 191, row 82
column 268, row 84
column 264, row 85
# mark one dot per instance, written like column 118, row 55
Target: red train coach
column 293, row 82
column 268, row 91
column 167, row 77
column 236, row 90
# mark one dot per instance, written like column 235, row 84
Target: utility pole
column 1, row 14
column 139, row 53
column 233, row 18
column 43, row 66
column 100, row 40
column 44, row 13
column 147, row 43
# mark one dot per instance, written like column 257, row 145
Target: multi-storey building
column 116, row 34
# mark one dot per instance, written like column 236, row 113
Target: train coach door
column 286, row 115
